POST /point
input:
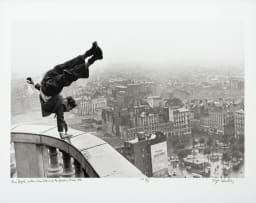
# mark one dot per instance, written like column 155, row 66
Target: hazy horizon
column 37, row 46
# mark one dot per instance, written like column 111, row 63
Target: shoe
column 91, row 51
column 97, row 55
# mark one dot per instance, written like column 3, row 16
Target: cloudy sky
column 39, row 44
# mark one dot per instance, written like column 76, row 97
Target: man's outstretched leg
column 94, row 53
column 64, row 74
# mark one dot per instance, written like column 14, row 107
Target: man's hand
column 30, row 81
column 64, row 135
column 65, row 127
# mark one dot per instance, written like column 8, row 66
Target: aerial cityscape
column 128, row 101
column 183, row 122
column 131, row 101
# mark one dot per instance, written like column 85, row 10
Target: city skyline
column 201, row 117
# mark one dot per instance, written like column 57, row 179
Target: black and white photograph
column 129, row 91
column 168, row 101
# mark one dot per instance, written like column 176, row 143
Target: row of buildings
column 125, row 108
column 143, row 114
column 219, row 117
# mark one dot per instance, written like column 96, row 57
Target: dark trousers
column 63, row 75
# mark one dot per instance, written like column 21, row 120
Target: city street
column 216, row 170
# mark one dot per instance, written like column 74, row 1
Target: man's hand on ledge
column 64, row 135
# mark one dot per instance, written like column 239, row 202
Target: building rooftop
column 154, row 97
column 135, row 140
column 133, row 84
column 105, row 160
column 121, row 86
column 240, row 111
column 195, row 159
column 183, row 109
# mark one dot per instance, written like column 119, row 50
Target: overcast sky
column 37, row 45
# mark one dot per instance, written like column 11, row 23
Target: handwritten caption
column 56, row 180
column 53, row 180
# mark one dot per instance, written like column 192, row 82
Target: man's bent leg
column 53, row 85
column 69, row 64
column 64, row 74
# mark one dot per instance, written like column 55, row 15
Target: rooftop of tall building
column 102, row 157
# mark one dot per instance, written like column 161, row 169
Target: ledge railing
column 36, row 155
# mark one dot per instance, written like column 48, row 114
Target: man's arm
column 61, row 123
column 37, row 86
column 31, row 82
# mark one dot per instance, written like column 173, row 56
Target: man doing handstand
column 62, row 76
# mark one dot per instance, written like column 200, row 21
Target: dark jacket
column 63, row 75
column 54, row 81
column 55, row 105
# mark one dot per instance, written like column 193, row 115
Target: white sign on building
column 159, row 158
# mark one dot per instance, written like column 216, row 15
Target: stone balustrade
column 37, row 151
column 43, row 156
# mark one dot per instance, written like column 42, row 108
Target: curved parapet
column 36, row 152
